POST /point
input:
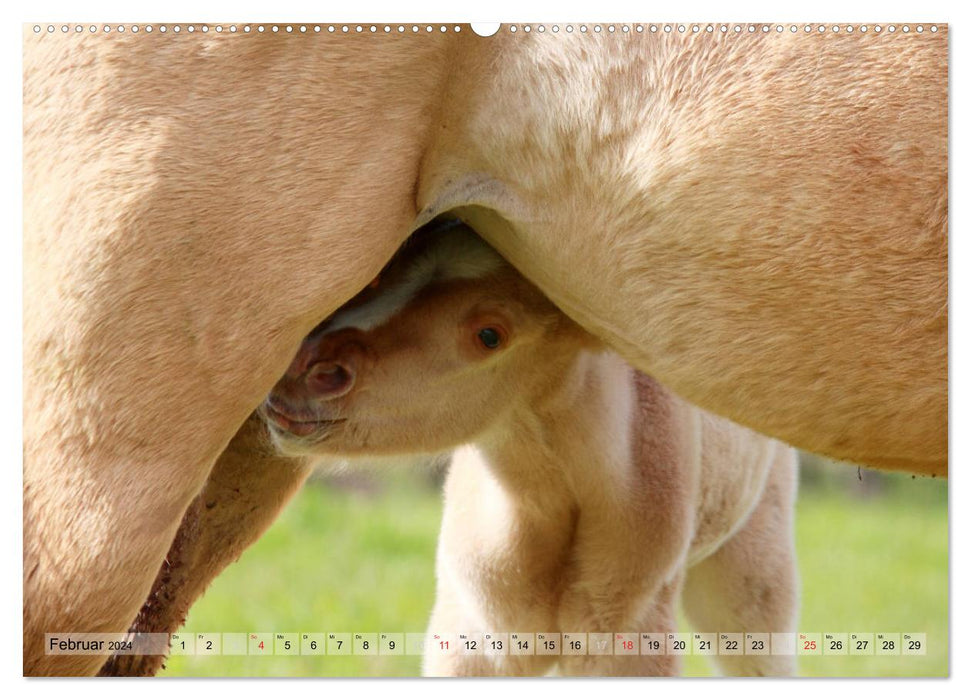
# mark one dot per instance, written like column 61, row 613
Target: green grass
column 353, row 562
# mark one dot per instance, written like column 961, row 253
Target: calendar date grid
column 493, row 643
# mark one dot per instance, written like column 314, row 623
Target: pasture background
column 356, row 554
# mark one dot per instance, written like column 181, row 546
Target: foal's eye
column 490, row 338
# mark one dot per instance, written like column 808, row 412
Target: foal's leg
column 750, row 584
column 659, row 617
column 246, row 490
column 452, row 614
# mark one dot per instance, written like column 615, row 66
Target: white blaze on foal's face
column 448, row 339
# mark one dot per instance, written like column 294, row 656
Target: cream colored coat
column 759, row 221
column 625, row 503
column 585, row 494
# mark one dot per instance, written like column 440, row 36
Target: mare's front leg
column 246, row 490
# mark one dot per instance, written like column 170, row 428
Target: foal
column 581, row 496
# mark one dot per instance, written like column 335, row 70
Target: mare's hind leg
column 248, row 487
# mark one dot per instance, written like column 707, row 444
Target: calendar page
column 549, row 348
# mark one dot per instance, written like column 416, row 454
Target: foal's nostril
column 329, row 379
